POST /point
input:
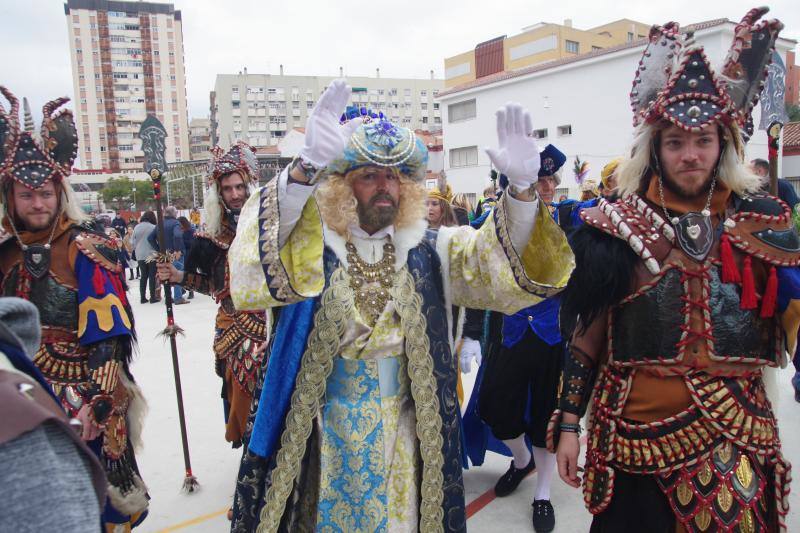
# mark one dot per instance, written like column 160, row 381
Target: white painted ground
column 215, row 464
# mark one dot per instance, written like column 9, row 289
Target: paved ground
column 215, row 463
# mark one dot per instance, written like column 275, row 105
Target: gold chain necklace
column 371, row 281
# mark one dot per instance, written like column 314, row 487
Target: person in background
column 188, row 241
column 173, row 234
column 608, row 179
column 462, row 208
column 194, row 217
column 129, row 260
column 439, row 211
column 589, row 190
column 786, row 192
column 143, row 249
column 119, row 224
column 488, row 198
column 516, row 389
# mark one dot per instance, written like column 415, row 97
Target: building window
column 424, row 120
column 464, row 157
column 436, row 106
column 565, row 130
column 540, row 134
column 424, row 106
column 461, row 111
column 630, row 36
column 423, row 94
column 573, row 47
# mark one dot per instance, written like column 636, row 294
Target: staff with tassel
column 152, row 134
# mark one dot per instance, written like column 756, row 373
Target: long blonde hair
column 633, row 173
column 337, row 203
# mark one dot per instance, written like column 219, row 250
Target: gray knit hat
column 19, row 324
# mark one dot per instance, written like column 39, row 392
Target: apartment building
column 127, row 62
column 199, row 138
column 593, row 125
column 262, row 108
column 536, row 44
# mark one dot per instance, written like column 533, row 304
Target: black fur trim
column 602, row 277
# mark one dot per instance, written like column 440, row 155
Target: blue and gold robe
column 357, row 426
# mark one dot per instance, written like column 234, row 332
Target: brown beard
column 374, row 218
column 681, row 192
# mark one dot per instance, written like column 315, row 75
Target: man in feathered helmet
column 360, row 381
column 686, row 291
column 239, row 335
column 53, row 257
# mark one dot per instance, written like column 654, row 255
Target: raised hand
column 517, row 155
column 325, row 138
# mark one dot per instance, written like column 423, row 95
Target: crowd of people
column 352, row 294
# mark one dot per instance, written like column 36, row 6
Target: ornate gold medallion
column 371, row 281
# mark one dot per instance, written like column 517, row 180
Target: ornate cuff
column 307, row 169
column 578, row 382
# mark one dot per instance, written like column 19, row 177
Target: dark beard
column 375, row 218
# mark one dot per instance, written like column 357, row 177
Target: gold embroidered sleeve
column 262, row 275
column 486, row 272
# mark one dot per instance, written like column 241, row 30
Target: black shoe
column 191, row 295
column 509, row 481
column 544, row 516
column 143, row 301
column 797, row 395
column 155, row 300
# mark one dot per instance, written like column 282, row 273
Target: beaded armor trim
column 237, row 345
column 712, row 460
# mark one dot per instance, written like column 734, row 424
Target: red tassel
column 770, row 294
column 119, row 289
column 99, row 281
column 749, row 300
column 730, row 272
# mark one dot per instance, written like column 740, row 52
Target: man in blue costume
column 517, row 388
column 358, row 426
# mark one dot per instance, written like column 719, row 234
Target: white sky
column 315, row 37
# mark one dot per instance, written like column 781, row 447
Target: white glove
column 325, row 138
column 470, row 349
column 517, row 156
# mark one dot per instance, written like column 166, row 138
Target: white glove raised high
column 517, row 155
column 325, row 138
column 470, row 349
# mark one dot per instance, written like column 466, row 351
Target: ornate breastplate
column 683, row 312
column 57, row 303
column 653, row 325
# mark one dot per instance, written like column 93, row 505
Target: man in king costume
column 51, row 256
column 358, row 427
column 239, row 334
column 686, row 289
